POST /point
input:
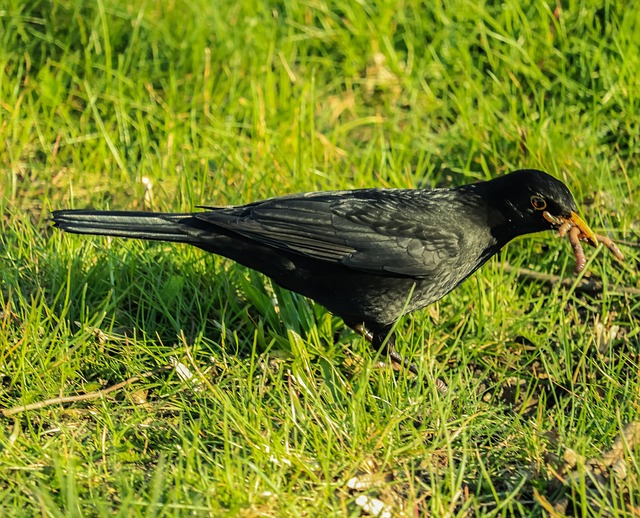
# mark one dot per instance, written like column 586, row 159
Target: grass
column 226, row 102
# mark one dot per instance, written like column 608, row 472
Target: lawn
column 168, row 382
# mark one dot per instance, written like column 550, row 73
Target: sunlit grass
column 219, row 103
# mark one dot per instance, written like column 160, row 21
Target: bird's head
column 533, row 201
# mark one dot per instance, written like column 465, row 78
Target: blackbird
column 367, row 255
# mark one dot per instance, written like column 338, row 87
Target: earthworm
column 578, row 252
column 606, row 241
column 564, row 228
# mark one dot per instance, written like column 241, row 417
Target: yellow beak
column 586, row 232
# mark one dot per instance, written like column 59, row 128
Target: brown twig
column 584, row 285
column 82, row 397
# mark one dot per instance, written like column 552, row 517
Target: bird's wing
column 376, row 231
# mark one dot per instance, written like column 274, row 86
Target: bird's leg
column 365, row 333
column 379, row 344
column 362, row 331
column 377, row 340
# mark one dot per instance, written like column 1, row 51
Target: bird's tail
column 156, row 226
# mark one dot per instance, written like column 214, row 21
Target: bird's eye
column 538, row 202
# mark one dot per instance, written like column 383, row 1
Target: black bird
column 367, row 255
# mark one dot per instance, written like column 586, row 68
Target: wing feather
column 372, row 230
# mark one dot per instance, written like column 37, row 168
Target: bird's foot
column 396, row 358
column 385, row 342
